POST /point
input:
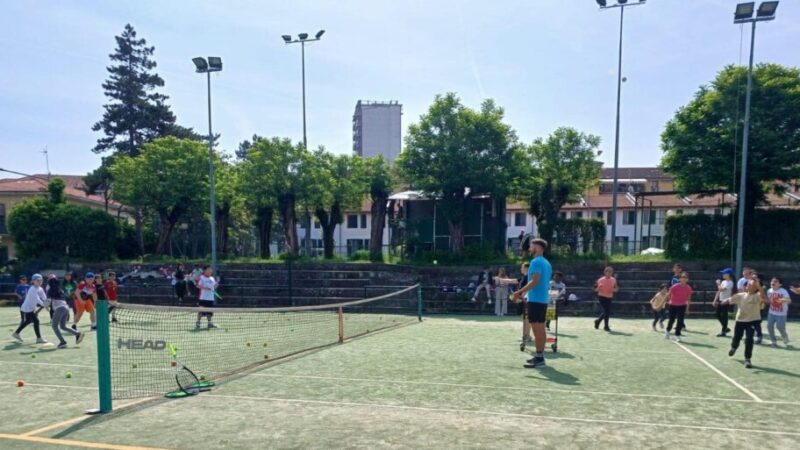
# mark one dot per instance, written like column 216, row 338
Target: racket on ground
column 187, row 381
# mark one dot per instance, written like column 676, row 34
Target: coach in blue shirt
column 537, row 290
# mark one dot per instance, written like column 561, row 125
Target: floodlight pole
column 212, row 183
column 741, row 198
column 615, row 186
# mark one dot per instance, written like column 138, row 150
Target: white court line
column 657, row 352
column 504, row 414
column 47, row 364
column 58, row 386
column 720, row 373
column 524, row 389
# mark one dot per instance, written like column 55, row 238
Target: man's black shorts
column 206, row 303
column 536, row 312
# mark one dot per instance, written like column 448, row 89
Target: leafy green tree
column 380, row 183
column 227, row 200
column 702, row 143
column 169, row 177
column 44, row 227
column 454, row 152
column 556, row 171
column 336, row 183
column 273, row 180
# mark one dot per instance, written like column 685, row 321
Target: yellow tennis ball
column 33, row 355
column 135, row 365
column 68, row 375
column 266, row 356
column 248, row 344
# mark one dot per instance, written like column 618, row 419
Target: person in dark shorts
column 207, row 285
column 537, row 291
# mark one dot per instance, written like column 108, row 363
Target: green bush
column 360, row 255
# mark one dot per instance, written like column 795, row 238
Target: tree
column 454, row 152
column 337, row 183
column 701, row 144
column 45, row 226
column 227, row 199
column 273, row 179
column 379, row 179
column 169, row 177
column 557, row 170
column 136, row 113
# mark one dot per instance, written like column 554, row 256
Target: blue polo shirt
column 540, row 292
column 22, row 291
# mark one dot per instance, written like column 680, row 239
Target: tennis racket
column 187, row 381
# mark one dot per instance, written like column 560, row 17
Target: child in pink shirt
column 605, row 287
column 679, row 297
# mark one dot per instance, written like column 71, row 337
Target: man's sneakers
column 79, row 338
column 607, row 330
column 211, row 325
column 748, row 364
column 17, row 337
column 537, row 362
column 597, row 324
column 722, row 334
column 773, row 344
column 666, row 335
column 758, row 340
column 41, row 341
column 732, row 351
column 677, row 338
column 62, row 345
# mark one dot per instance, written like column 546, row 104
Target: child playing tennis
column 747, row 316
column 606, row 286
column 84, row 297
column 110, row 287
column 34, row 298
column 778, row 300
column 659, row 305
column 207, row 285
column 58, row 304
column 679, row 297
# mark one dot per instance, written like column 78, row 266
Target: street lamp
column 213, row 64
column 621, row 4
column 744, row 14
column 302, row 39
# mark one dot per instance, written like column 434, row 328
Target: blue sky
column 548, row 63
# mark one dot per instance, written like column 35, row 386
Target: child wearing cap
column 34, row 298
column 722, row 300
column 21, row 291
column 84, row 296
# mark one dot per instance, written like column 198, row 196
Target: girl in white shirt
column 33, row 299
column 207, row 285
column 722, row 301
column 778, row 300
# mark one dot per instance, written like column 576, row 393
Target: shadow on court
column 619, row 333
column 697, row 344
column 757, row 370
column 553, row 375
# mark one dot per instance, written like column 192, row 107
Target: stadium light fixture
column 200, row 64
column 287, row 38
column 303, row 36
column 601, row 3
column 319, row 34
column 744, row 14
column 214, row 64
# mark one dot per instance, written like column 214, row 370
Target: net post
column 103, row 357
column 341, row 325
column 419, row 301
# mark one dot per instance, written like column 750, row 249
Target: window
column 363, row 221
column 678, row 212
column 701, row 212
column 717, row 211
column 662, row 216
column 520, row 219
column 629, row 218
column 609, row 217
column 598, row 215
column 352, row 221
column 316, row 224
column 654, row 186
column 354, row 245
column 653, row 215
column 577, row 215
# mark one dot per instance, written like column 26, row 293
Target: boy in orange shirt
column 605, row 287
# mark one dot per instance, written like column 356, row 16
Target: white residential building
column 377, row 129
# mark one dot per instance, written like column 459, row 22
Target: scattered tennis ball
column 266, row 344
column 20, row 383
column 202, row 378
column 248, row 344
column 435, row 262
column 266, row 356
column 135, row 365
column 173, row 363
column 68, row 375
column 33, row 355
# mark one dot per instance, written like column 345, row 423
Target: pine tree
column 136, row 113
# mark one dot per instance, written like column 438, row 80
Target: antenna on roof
column 47, row 162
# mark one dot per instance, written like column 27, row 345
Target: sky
column 548, row 63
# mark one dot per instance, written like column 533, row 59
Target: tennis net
column 239, row 339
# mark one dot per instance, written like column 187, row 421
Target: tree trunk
column 328, row 222
column 137, row 218
column 456, row 236
column 264, row 224
column 286, row 206
column 378, row 218
column 164, row 233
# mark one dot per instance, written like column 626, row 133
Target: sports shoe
column 62, row 345
column 727, row 330
column 722, row 334
column 74, row 327
column 654, row 328
column 748, row 364
column 41, row 341
column 197, row 325
column 773, row 344
column 666, row 335
column 17, row 337
column 473, row 300
column 758, row 341
column 786, row 342
column 79, row 338
column 211, row 325
column 677, row 338
column 661, row 324
column 93, row 328
column 607, row 330
column 732, row 351
column 597, row 324
column 536, row 363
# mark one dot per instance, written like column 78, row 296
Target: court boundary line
column 85, row 366
column 524, row 389
column 82, row 417
column 505, row 414
column 56, row 386
column 721, row 373
column 84, row 444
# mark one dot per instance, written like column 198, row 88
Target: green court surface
column 448, row 382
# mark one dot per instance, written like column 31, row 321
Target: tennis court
column 448, row 382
